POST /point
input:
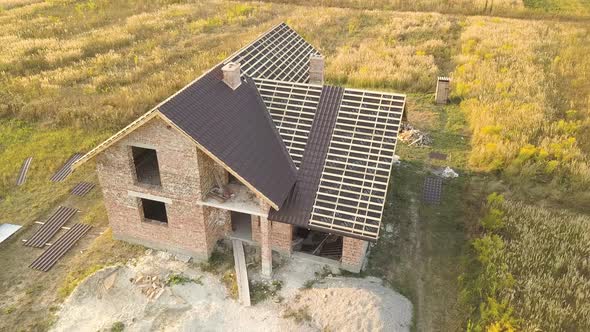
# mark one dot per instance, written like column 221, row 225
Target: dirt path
column 335, row 303
column 423, row 324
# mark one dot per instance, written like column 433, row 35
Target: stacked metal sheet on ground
column 51, row 227
column 82, row 188
column 52, row 254
column 66, row 169
column 432, row 190
column 22, row 175
column 6, row 231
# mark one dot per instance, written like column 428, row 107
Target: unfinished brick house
column 258, row 149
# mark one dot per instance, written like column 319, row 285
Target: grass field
column 72, row 73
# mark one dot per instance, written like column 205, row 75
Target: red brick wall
column 179, row 163
column 281, row 235
column 353, row 253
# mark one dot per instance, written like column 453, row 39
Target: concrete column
column 353, row 254
column 265, row 247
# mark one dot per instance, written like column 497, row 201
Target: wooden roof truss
column 353, row 186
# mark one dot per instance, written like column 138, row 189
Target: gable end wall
column 187, row 231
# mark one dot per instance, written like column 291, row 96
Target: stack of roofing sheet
column 66, row 169
column 51, row 227
column 50, row 256
column 22, row 175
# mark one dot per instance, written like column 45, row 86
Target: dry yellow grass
column 524, row 88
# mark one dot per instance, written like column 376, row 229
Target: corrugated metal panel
column 66, row 169
column 52, row 254
column 6, row 231
column 51, row 227
column 297, row 207
column 22, row 175
column 82, row 188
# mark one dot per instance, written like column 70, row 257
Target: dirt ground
column 334, row 303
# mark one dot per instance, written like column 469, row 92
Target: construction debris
column 413, row 136
column 151, row 286
column 449, row 173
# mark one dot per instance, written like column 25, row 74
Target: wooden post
column 265, row 246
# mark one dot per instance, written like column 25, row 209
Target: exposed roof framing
column 279, row 54
column 353, row 186
column 298, row 206
column 292, row 107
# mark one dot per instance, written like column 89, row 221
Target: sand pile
column 345, row 304
column 118, row 294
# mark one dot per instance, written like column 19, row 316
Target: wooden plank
column 22, row 175
column 241, row 272
column 66, row 169
column 82, row 188
column 51, row 227
column 58, row 249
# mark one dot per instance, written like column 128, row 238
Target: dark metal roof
column 235, row 126
column 51, row 227
column 298, row 206
column 280, row 54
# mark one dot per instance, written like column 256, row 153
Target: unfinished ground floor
column 197, row 235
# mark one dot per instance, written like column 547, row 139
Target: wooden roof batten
column 361, row 145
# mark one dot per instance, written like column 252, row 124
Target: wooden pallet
column 51, row 227
column 56, row 251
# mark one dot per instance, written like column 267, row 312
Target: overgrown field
column 74, row 72
column 578, row 9
column 530, row 269
column 524, row 87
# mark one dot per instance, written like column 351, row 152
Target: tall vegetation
column 510, row 8
column 530, row 270
column 524, row 89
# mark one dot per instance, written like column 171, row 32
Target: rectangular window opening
column 146, row 165
column 154, row 210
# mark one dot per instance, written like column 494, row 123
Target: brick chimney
column 316, row 69
column 231, row 75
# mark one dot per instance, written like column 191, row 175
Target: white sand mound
column 338, row 304
column 345, row 304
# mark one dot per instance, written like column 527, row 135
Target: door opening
column 241, row 225
column 317, row 243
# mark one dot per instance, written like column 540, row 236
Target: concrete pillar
column 353, row 254
column 316, row 69
column 443, row 88
column 265, row 247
